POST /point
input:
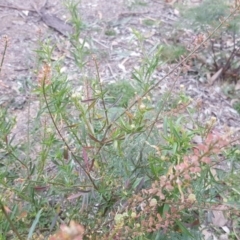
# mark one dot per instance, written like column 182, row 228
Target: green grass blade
column 34, row 224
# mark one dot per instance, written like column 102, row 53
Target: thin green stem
column 63, row 139
column 10, row 221
column 100, row 86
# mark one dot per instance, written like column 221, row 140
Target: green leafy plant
column 121, row 93
column 206, row 14
column 104, row 159
column 172, row 53
column 237, row 107
column 110, row 32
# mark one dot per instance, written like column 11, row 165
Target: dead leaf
column 77, row 195
column 226, row 229
column 22, row 215
column 215, row 76
column 218, row 217
column 197, row 139
column 208, row 235
column 100, row 15
column 223, row 237
column 6, row 209
column 40, row 188
column 237, row 87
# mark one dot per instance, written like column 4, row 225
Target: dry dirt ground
column 109, row 34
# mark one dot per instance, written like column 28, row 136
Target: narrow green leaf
column 165, row 209
column 184, row 229
column 34, row 224
column 175, row 147
column 165, row 125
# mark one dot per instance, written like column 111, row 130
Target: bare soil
column 109, row 33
